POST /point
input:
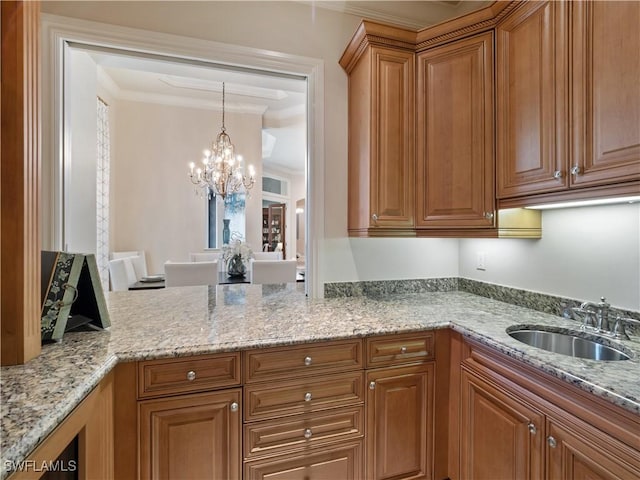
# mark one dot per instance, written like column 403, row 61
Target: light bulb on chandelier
column 222, row 173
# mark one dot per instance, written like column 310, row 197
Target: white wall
column 585, row 253
column 154, row 204
column 80, row 204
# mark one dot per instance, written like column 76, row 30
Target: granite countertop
column 148, row 324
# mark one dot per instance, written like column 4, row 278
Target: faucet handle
column 621, row 322
column 603, row 302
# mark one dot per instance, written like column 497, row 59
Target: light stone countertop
column 37, row 396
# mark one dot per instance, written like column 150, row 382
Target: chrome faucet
column 600, row 311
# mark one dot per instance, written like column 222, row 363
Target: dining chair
column 190, row 273
column 139, row 261
column 273, row 271
column 267, row 255
column 122, row 274
column 204, row 256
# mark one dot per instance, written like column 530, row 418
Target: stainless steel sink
column 567, row 344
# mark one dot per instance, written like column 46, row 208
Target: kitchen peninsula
column 181, row 324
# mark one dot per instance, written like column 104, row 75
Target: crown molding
column 230, row 88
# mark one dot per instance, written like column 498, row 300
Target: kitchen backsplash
column 536, row 301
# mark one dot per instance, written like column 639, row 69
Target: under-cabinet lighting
column 586, row 203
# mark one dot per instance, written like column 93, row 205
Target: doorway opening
column 109, row 56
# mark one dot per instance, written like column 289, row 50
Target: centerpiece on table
column 236, row 255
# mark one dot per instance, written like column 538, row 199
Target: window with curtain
column 102, row 192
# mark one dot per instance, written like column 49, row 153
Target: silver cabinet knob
column 191, row 375
column 372, row 385
column 488, row 215
column 307, row 361
column 552, row 442
column 403, row 349
column 307, row 397
column 234, row 407
column 374, row 217
column 532, row 429
column 576, row 170
column 307, row 433
column 557, row 174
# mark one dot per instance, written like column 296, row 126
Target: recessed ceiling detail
column 232, row 88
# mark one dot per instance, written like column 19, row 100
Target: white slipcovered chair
column 122, row 274
column 267, row 255
column 204, row 256
column 273, row 271
column 190, row 273
column 138, row 259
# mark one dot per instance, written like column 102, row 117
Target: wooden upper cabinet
column 381, row 151
column 531, row 99
column 455, row 134
column 605, row 92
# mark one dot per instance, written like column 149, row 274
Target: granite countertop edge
column 24, row 440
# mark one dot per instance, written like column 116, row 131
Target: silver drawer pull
column 372, row 385
column 403, row 349
column 307, row 433
column 234, row 407
column 191, row 375
column 307, row 361
column 552, row 442
column 307, row 397
column 557, row 174
column 532, row 429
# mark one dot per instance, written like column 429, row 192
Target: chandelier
column 222, row 172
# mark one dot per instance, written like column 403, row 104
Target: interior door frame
column 59, row 32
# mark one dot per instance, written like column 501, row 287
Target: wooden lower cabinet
column 400, row 422
column 501, row 437
column 586, row 454
column 338, row 462
column 518, row 423
column 191, row 436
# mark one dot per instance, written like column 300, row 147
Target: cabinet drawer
column 399, row 349
column 303, row 431
column 285, row 362
column 174, row 376
column 343, row 461
column 304, row 395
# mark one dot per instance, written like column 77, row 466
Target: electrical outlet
column 481, row 261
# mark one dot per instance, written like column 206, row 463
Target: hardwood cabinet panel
column 340, row 462
column 399, row 349
column 303, row 395
column 577, row 455
column 531, row 99
column 400, row 423
column 282, row 363
column 191, row 436
column 500, row 436
column 605, row 92
column 381, row 145
column 302, row 432
column 172, row 376
column 455, row 160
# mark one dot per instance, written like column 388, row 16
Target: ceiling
column 415, row 14
column 280, row 100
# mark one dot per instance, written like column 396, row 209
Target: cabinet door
column 573, row 454
column 532, row 74
column 381, row 143
column 191, row 436
column 500, row 437
column 400, row 423
column 455, row 160
column 339, row 462
column 605, row 92
column 392, row 151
